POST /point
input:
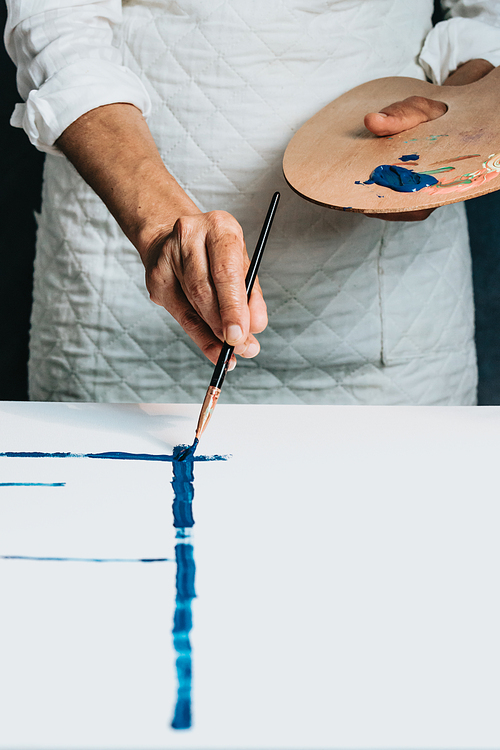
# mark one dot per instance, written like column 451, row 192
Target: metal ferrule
column 207, row 409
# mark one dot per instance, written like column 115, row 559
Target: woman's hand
column 413, row 111
column 197, row 272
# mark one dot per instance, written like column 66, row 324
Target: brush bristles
column 188, row 452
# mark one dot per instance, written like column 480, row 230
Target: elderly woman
column 177, row 113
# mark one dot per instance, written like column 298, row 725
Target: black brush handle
column 227, row 351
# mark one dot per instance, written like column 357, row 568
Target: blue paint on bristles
column 186, row 453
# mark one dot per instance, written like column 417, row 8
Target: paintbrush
column 214, row 389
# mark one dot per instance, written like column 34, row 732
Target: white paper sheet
column 347, row 569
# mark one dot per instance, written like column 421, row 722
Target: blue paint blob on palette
column 400, row 179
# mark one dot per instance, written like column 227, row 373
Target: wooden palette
column 334, row 151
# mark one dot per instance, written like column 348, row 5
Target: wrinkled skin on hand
column 197, row 272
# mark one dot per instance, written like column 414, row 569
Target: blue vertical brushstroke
column 183, row 623
column 182, row 508
column 183, row 486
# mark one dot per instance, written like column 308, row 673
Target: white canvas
column 346, row 580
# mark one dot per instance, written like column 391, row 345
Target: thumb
column 404, row 115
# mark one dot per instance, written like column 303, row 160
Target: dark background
column 20, row 186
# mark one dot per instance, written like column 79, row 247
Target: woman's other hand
column 415, row 110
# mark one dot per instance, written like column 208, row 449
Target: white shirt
column 69, row 61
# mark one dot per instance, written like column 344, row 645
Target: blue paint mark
column 183, row 486
column 89, row 559
column 188, row 453
column 32, row 484
column 409, row 157
column 400, row 179
column 183, row 624
column 114, row 455
column 182, row 459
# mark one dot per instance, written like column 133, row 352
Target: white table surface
column 347, row 579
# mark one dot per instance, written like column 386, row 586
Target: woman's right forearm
column 195, row 262
column 113, row 150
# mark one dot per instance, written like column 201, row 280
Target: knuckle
column 201, row 292
column 182, row 224
column 210, row 350
column 230, row 310
column 185, row 228
column 226, row 269
column 190, row 320
column 418, row 101
column 224, row 223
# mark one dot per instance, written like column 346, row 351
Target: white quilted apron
column 361, row 311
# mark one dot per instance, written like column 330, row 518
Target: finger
column 404, row 216
column 248, row 349
column 168, row 294
column 258, row 310
column 228, row 264
column 185, row 250
column 404, row 115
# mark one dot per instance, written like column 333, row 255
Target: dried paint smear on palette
column 489, row 171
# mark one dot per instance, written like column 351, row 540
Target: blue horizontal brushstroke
column 89, row 559
column 32, row 484
column 114, row 455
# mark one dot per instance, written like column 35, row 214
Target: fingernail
column 251, row 350
column 233, row 334
column 382, row 114
column 232, row 365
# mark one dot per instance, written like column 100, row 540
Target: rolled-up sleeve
column 471, row 31
column 68, row 62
